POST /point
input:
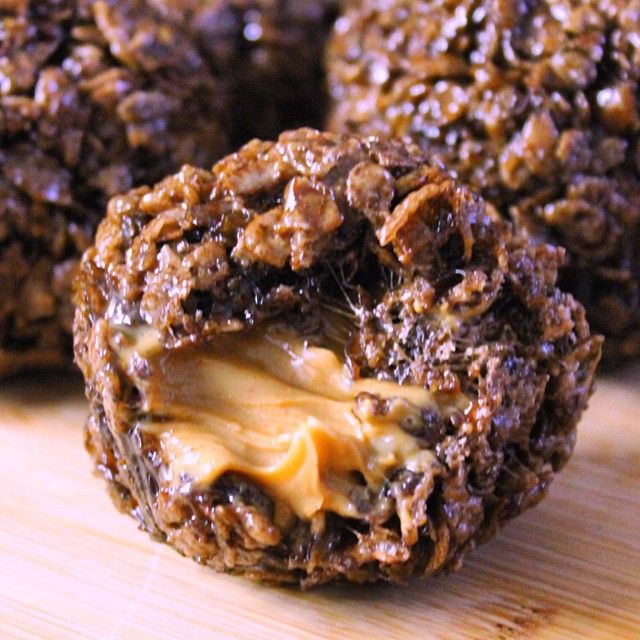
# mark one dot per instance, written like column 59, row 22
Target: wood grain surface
column 73, row 567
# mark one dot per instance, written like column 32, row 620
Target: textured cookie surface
column 452, row 370
column 95, row 97
column 535, row 103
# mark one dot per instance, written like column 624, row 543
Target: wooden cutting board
column 72, row 567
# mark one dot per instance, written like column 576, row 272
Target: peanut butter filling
column 285, row 413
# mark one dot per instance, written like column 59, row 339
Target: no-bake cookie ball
column 95, row 97
column 535, row 103
column 325, row 359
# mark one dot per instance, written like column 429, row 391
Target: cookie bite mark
column 284, row 412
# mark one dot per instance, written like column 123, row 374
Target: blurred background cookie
column 95, row 97
column 534, row 103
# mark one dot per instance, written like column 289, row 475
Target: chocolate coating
column 375, row 230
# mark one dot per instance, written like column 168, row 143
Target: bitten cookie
column 325, row 359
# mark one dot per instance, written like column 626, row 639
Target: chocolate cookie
column 534, row 103
column 324, row 359
column 95, row 97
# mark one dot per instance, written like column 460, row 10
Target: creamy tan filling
column 282, row 412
